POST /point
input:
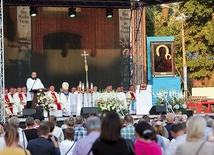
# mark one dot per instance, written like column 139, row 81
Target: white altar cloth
column 75, row 101
column 143, row 100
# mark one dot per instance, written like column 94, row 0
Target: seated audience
column 41, row 146
column 93, row 125
column 195, row 145
column 110, row 140
column 128, row 131
column 12, row 140
column 145, row 143
column 179, row 136
column 67, row 145
column 14, row 122
column 38, row 115
column 30, row 131
column 80, row 131
column 57, row 130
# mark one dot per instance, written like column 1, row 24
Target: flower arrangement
column 44, row 100
column 110, row 102
column 173, row 99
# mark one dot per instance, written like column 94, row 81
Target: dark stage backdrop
column 51, row 44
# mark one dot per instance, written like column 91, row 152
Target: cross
column 84, row 54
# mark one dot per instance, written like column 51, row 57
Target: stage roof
column 123, row 4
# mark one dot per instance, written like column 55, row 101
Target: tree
column 199, row 35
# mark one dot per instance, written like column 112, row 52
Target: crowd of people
column 109, row 134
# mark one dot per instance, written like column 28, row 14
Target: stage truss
column 2, row 79
column 138, row 39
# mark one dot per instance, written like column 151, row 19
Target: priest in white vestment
column 64, row 95
column 20, row 100
column 10, row 108
column 32, row 83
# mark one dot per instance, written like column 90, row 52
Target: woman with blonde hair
column 12, row 140
column 195, row 144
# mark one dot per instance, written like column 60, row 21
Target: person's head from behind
column 158, row 127
column 43, row 131
column 69, row 134
column 177, row 129
column 50, row 125
column 37, row 122
column 11, row 136
column 170, row 117
column 14, row 122
column 29, row 122
column 195, row 128
column 111, row 126
column 129, row 119
column 144, row 130
column 38, row 109
column 93, row 123
column 70, row 122
column 52, row 119
column 78, row 120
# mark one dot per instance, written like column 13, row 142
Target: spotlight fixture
column 72, row 12
column 109, row 13
column 33, row 11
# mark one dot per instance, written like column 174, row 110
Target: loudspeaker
column 159, row 109
column 85, row 111
column 27, row 112
column 189, row 113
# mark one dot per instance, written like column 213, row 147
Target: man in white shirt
column 32, row 83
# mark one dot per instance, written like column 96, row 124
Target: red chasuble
column 10, row 106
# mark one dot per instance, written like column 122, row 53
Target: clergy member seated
column 52, row 94
column 10, row 108
column 20, row 100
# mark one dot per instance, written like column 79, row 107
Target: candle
column 80, row 84
column 83, row 86
column 91, row 86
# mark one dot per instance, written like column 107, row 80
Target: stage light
column 72, row 12
column 33, row 11
column 109, row 13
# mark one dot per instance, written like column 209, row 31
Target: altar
column 77, row 101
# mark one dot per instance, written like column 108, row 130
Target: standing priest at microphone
column 32, row 83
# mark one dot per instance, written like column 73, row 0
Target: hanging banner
column 124, row 23
column 23, row 25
